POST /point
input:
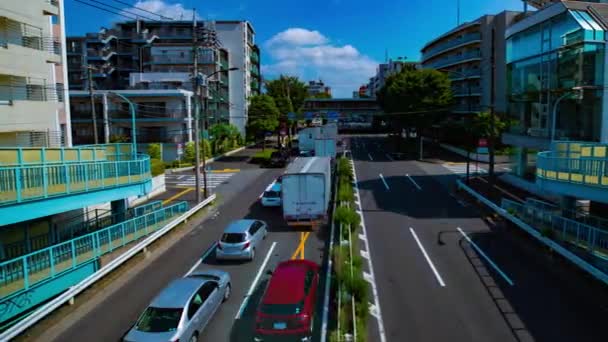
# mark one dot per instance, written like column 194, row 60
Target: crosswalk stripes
column 461, row 168
column 213, row 180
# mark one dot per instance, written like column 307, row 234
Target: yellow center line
column 177, row 195
column 225, row 171
column 301, row 245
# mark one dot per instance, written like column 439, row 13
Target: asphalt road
column 510, row 291
column 239, row 199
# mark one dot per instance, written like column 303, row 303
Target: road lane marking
column 301, row 245
column 503, row 274
column 384, row 181
column 201, row 259
column 255, row 282
column 428, row 259
column 370, row 157
column 179, row 194
column 376, row 304
column 413, row 181
column 389, row 157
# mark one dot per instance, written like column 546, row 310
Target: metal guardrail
column 569, row 255
column 54, row 304
column 586, row 237
column 21, row 273
column 26, row 183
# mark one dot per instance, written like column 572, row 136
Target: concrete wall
column 232, row 35
column 18, row 63
column 158, row 187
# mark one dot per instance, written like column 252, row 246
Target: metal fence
column 582, row 238
column 589, row 171
column 26, row 183
column 21, row 273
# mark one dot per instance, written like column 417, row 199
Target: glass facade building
column 544, row 62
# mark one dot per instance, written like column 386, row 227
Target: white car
column 272, row 195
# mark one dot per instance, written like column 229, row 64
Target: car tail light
column 219, row 245
column 246, row 245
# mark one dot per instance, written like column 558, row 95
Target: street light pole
column 133, row 124
column 555, row 106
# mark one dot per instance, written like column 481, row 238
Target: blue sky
column 339, row 41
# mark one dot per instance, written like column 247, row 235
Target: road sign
column 333, row 115
column 309, row 115
column 482, row 150
column 291, row 116
column 483, row 142
column 268, row 134
column 180, row 149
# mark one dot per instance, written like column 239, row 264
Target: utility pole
column 92, row 98
column 204, row 110
column 197, row 110
column 492, row 105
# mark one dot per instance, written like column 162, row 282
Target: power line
column 106, row 10
column 141, row 9
column 123, row 10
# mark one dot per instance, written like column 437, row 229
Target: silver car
column 240, row 240
column 183, row 309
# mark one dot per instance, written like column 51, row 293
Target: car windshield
column 271, row 194
column 233, row 237
column 281, row 309
column 159, row 320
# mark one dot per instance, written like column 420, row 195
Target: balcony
column 454, row 59
column 578, row 169
column 148, row 114
column 254, row 58
column 50, row 7
column 464, row 75
column 103, row 54
column 463, row 108
column 452, row 44
column 28, row 92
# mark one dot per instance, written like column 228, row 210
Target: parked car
column 240, row 240
column 278, row 159
column 272, row 195
column 182, row 310
column 288, row 306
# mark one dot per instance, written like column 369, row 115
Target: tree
column 289, row 87
column 263, row 116
column 413, row 98
column 284, row 105
column 225, row 137
column 154, row 151
column 490, row 126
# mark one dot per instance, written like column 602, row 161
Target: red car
column 288, row 306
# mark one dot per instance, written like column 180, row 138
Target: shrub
column 344, row 169
column 262, row 157
column 154, row 151
column 345, row 192
column 157, row 167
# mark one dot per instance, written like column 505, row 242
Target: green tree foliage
column 482, row 125
column 189, row 154
column 115, row 139
column 288, row 87
column 157, row 167
column 263, row 116
column 154, row 151
column 225, row 137
column 321, row 96
column 414, row 96
column 284, row 105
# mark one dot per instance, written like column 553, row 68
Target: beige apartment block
column 32, row 107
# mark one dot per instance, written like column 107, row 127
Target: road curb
column 211, row 160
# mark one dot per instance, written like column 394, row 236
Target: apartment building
column 385, row 70
column 33, row 110
column 316, row 88
column 238, row 37
column 467, row 54
column 164, row 49
column 557, row 81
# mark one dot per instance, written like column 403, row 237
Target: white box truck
column 306, row 191
column 325, row 148
column 306, row 139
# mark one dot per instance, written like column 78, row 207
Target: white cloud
column 160, row 7
column 297, row 36
column 342, row 67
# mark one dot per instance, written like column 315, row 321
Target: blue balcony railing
column 33, row 174
column 576, row 163
column 26, row 271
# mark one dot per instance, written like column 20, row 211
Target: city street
column 234, row 320
column 435, row 285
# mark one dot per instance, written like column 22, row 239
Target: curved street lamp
column 133, row 126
